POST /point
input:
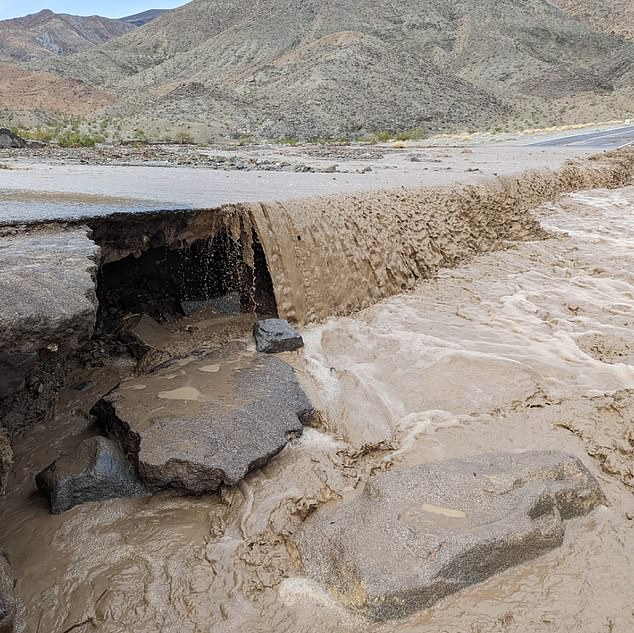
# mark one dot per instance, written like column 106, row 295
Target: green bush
column 41, row 134
column 76, row 139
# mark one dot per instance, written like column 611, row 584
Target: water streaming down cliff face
column 338, row 254
column 530, row 347
column 341, row 253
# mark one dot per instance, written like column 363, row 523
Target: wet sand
column 528, row 347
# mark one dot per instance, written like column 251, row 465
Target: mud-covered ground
column 528, row 347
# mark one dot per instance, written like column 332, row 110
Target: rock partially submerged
column 415, row 536
column 204, row 422
column 276, row 335
column 8, row 605
column 143, row 335
column 95, row 471
column 9, row 140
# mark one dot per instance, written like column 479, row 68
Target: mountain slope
column 46, row 91
column 612, row 16
column 46, row 34
column 326, row 67
column 139, row 19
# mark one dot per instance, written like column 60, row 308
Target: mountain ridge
column 326, row 68
column 46, row 34
column 323, row 67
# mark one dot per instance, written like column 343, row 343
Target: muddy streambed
column 528, row 347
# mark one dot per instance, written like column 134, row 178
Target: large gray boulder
column 199, row 423
column 414, row 536
column 95, row 471
column 9, row 140
column 276, row 335
column 8, row 605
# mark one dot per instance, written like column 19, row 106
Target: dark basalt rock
column 276, row 335
column 95, row 471
column 200, row 423
column 10, row 140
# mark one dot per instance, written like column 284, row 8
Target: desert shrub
column 42, row 134
column 288, row 140
column 183, row 136
column 76, row 139
column 415, row 134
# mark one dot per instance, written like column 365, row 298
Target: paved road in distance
column 608, row 139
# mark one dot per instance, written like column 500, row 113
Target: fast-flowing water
column 527, row 347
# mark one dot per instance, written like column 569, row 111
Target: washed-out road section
column 33, row 192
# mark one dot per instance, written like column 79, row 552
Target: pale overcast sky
column 108, row 8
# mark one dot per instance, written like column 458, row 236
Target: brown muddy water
column 528, row 347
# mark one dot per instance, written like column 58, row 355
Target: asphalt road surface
column 32, row 191
column 608, row 139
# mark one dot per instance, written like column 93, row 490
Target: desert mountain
column 46, row 91
column 46, row 34
column 139, row 19
column 612, row 16
column 334, row 67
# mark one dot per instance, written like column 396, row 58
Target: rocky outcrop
column 8, row 604
column 95, row 471
column 276, row 335
column 196, row 424
column 10, row 140
column 423, row 533
column 48, row 305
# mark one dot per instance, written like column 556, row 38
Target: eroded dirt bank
column 525, row 348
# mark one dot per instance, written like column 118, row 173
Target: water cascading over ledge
column 333, row 255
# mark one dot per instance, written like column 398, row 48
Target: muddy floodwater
column 529, row 347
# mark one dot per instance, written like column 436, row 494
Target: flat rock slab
column 8, row 604
column 144, row 335
column 202, row 422
column 95, row 471
column 48, row 298
column 415, row 536
column 276, row 335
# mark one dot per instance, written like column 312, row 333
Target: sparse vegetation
column 77, row 139
column 415, row 134
column 288, row 140
column 140, row 136
column 184, row 137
